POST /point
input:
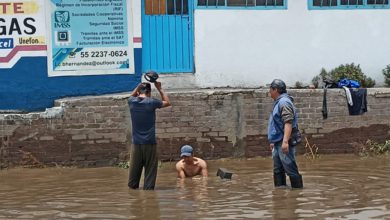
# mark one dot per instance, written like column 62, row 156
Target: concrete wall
column 233, row 47
column 86, row 132
column 95, row 131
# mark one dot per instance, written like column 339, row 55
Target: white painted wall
column 136, row 16
column 249, row 48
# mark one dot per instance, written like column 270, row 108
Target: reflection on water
column 336, row 187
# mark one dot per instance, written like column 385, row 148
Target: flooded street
column 335, row 187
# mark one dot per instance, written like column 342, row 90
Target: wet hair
column 145, row 88
column 279, row 85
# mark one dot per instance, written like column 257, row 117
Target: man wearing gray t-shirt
column 144, row 147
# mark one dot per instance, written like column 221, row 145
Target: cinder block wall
column 96, row 131
column 233, row 123
column 88, row 131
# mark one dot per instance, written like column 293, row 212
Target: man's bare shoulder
column 202, row 163
column 180, row 164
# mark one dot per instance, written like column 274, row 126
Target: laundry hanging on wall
column 357, row 101
column 356, row 97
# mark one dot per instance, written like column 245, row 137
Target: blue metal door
column 167, row 36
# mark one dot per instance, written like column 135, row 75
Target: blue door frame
column 167, row 35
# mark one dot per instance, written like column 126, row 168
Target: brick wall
column 91, row 131
column 95, row 131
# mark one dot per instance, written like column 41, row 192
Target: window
column 162, row 7
column 242, row 4
column 322, row 3
column 377, row 2
column 349, row 4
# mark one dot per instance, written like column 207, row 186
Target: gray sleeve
column 287, row 114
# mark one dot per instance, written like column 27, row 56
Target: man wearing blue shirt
column 281, row 123
column 144, row 147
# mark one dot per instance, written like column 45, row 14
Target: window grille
column 242, row 4
column 348, row 4
column 166, row 7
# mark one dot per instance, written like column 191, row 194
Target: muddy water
column 336, row 187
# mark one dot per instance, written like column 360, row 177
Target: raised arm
column 164, row 97
column 135, row 92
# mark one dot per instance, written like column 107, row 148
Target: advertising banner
column 22, row 30
column 90, row 37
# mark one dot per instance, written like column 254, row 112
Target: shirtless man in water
column 190, row 166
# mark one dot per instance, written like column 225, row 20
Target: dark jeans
column 284, row 163
column 143, row 155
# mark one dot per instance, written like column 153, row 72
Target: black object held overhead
column 224, row 174
column 151, row 76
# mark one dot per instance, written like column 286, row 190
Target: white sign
column 90, row 37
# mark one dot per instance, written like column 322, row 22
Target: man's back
column 143, row 117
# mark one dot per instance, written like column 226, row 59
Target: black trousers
column 143, row 156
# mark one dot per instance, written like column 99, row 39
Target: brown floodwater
column 335, row 187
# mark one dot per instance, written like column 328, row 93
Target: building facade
column 209, row 43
